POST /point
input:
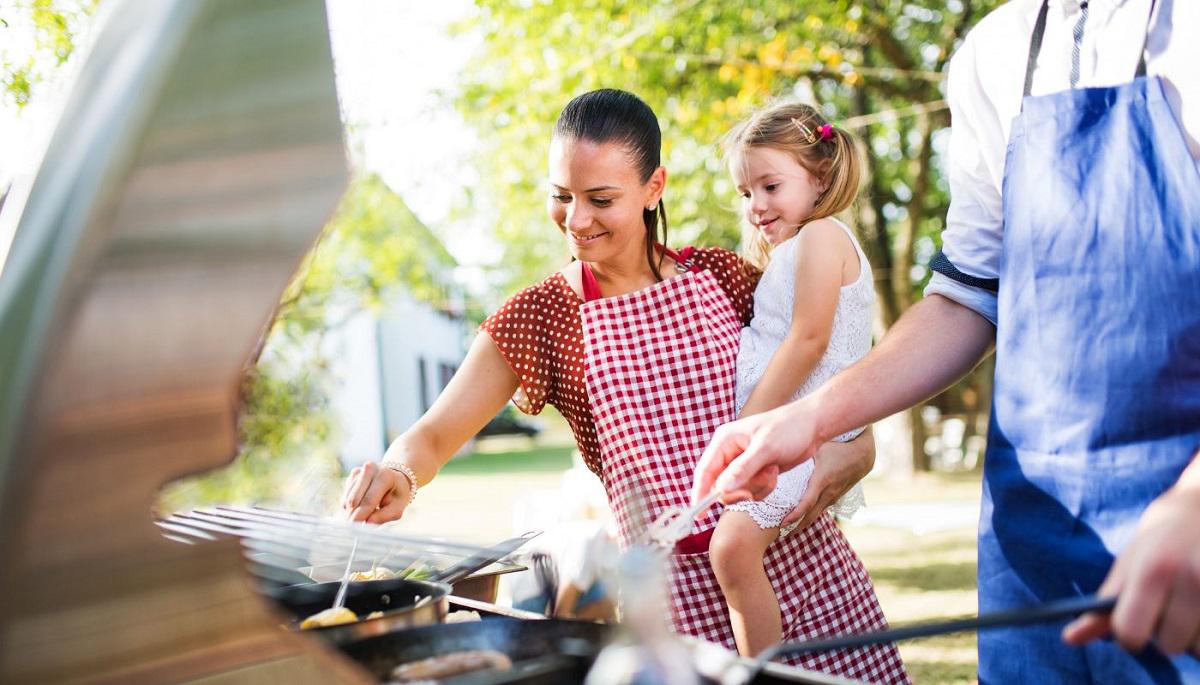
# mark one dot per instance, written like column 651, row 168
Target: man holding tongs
column 1073, row 245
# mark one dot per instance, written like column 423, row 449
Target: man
column 1072, row 244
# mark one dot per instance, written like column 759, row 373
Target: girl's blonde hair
column 827, row 152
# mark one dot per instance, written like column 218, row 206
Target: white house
column 390, row 366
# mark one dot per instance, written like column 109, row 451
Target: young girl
column 812, row 318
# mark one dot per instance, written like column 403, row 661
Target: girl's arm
column 474, row 395
column 822, row 256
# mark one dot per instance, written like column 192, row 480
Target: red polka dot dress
column 644, row 379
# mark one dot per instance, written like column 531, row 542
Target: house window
column 445, row 373
column 423, row 384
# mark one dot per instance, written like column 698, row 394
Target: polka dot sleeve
column 736, row 276
column 519, row 331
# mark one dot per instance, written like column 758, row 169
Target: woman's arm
column 821, row 247
column 474, row 395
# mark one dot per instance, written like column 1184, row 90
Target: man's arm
column 932, row 345
column 935, row 343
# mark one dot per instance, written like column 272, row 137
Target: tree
column 373, row 246
column 876, row 67
column 55, row 26
column 287, row 433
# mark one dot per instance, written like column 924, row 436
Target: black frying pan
column 550, row 651
column 404, row 603
column 519, row 640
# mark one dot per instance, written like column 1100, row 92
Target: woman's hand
column 837, row 466
column 1156, row 580
column 375, row 494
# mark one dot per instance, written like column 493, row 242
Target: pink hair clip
column 826, row 131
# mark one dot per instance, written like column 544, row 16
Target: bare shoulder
column 826, row 246
column 573, row 273
column 826, row 235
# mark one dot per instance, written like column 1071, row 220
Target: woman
column 635, row 344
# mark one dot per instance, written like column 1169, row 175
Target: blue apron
column 1097, row 392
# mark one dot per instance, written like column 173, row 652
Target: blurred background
column 448, row 108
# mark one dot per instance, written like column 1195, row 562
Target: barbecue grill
column 191, row 167
column 190, row 170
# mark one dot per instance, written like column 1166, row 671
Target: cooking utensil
column 294, row 540
column 674, row 524
column 552, row 651
column 484, row 557
column 741, row 673
column 339, row 600
column 403, row 604
column 400, row 601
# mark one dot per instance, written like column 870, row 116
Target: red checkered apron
column 659, row 369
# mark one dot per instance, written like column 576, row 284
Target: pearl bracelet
column 403, row 469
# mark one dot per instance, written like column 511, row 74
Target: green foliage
column 372, row 247
column 875, row 68
column 285, row 455
column 56, row 25
column 703, row 65
column 373, row 244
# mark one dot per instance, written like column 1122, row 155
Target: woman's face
column 597, row 199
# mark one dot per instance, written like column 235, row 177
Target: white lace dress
column 849, row 341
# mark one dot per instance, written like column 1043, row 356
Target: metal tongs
column 745, row 670
column 339, row 600
column 675, row 523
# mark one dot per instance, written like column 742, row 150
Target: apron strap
column 591, row 289
column 683, row 260
column 1035, row 47
column 1039, row 32
column 1141, row 67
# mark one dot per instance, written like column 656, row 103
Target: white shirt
column 984, row 88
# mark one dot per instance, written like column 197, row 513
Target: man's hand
column 1156, row 580
column 837, row 466
column 746, row 456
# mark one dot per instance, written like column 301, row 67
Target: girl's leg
column 736, row 552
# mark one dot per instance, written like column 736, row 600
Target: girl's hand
column 1156, row 580
column 837, row 466
column 375, row 494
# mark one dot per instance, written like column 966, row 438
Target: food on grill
column 329, row 617
column 417, row 572
column 377, row 573
column 452, row 664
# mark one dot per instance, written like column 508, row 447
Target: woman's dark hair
column 615, row 116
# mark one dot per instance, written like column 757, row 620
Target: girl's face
column 597, row 199
column 778, row 194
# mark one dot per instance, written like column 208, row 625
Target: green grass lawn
column 924, row 576
column 511, row 455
